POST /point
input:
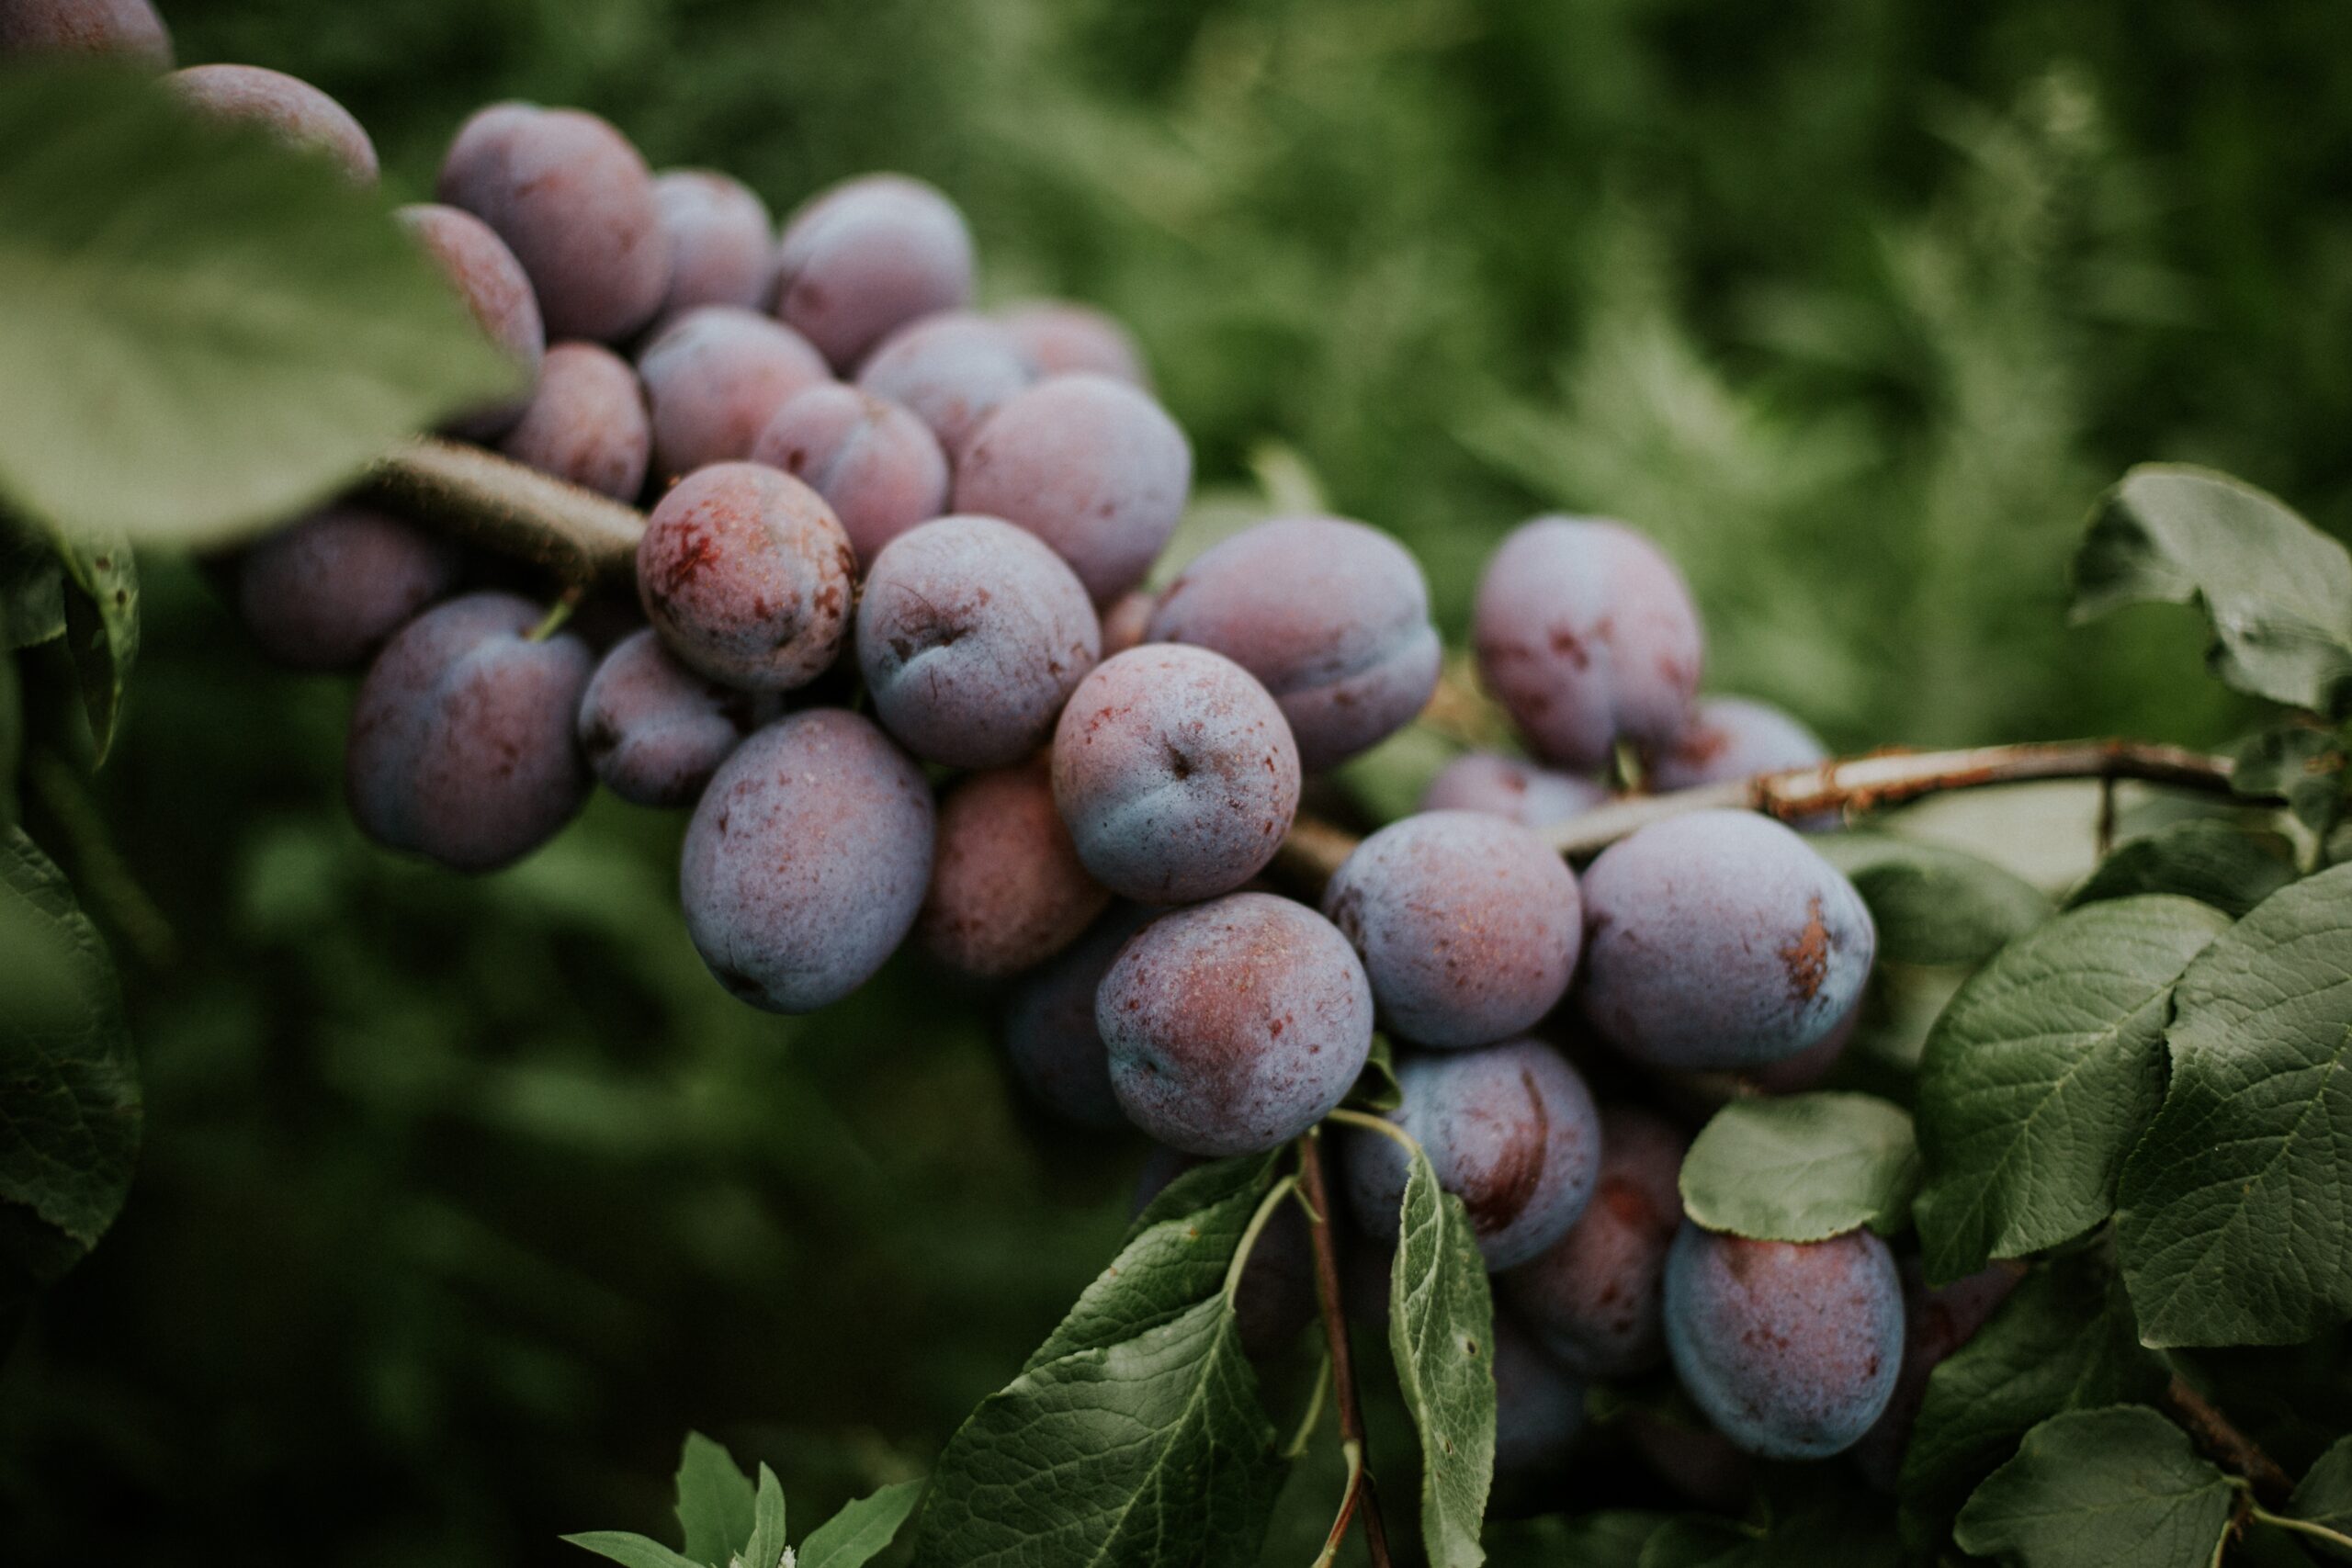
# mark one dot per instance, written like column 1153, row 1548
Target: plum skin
column 1007, row 890
column 1720, row 940
column 288, row 107
column 722, row 247
column 654, row 731
column 587, row 424
column 1790, row 1349
column 1529, row 795
column 1591, row 1298
column 1509, row 1129
column 1049, row 1033
column 878, row 467
column 714, row 377
column 484, row 271
column 952, row 370
column 1059, row 337
column 1233, row 1026
column 807, row 859
column 325, row 593
column 1469, row 925
column 1538, row 1404
column 862, row 258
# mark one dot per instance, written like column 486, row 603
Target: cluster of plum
column 939, row 562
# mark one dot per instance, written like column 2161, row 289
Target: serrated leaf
column 2064, row 1340
column 2235, row 1210
column 101, row 597
column 2298, row 764
column 1378, row 1091
column 632, row 1550
column 32, row 608
column 1135, row 1435
column 1440, row 1332
column 1803, row 1168
column 1934, row 905
column 2040, row 1074
column 2324, row 1497
column 858, row 1533
column 2220, row 863
column 226, row 330
column 69, row 1084
column 766, row 1546
column 1611, row 1539
column 715, row 1501
column 2277, row 592
column 2114, row 1488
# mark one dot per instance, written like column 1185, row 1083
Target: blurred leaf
column 32, row 609
column 766, row 1548
column 631, row 1550
column 1441, row 1333
column 2042, row 1074
column 854, row 1537
column 2115, row 1488
column 69, row 1084
column 2231, row 867
column 226, row 330
column 1933, row 905
column 2235, row 1211
column 2276, row 590
column 2301, row 765
column 12, row 737
column 1803, row 1168
column 715, row 1500
column 2324, row 1497
column 101, row 598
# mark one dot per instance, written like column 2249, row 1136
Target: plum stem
column 1360, row 1495
column 2225, row 1445
column 1273, row 1201
column 2319, row 1532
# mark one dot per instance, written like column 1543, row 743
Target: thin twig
column 483, row 499
column 2225, row 1445
column 1360, row 1496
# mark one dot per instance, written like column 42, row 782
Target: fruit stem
column 2225, row 1445
column 2322, row 1532
column 1360, row 1493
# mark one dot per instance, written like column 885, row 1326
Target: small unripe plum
column 1090, row 464
column 1233, row 1026
column 1539, row 1406
column 971, row 636
column 325, row 593
column 1506, row 786
column 1732, row 737
column 1007, row 890
column 1790, row 1349
column 461, row 745
column 862, row 259
column 1276, row 1299
column 1592, row 1296
column 1587, row 635
column 127, row 28
column 807, row 859
column 1467, row 925
column 747, row 576
column 722, row 243
column 952, row 370
column 877, row 465
column 1937, row 1322
column 1332, row 617
column 1127, row 622
column 1509, row 1129
column 714, row 377
column 1062, row 338
column 491, row 282
column 1720, row 940
column 652, row 730
column 286, row 107
column 574, row 200
column 1049, row 1033
column 586, row 424
column 1176, row 773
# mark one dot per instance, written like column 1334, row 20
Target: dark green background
column 463, row 1199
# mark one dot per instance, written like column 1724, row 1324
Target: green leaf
column 2230, row 867
column 32, row 608
column 2299, row 765
column 1135, row 1436
column 766, row 1546
column 1803, row 1168
column 227, row 330
column 1611, row 1539
column 854, row 1537
column 715, row 1501
column 2235, row 1211
column 634, row 1550
column 69, row 1084
column 2095, row 1488
column 2042, row 1073
column 2276, row 590
column 1441, row 1331
column 1377, row 1089
column 2324, row 1497
column 1934, row 905
column 101, row 627
column 2064, row 1340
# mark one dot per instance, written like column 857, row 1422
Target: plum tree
column 1007, row 890
column 714, row 377
column 1235, row 1025
column 586, row 424
column 722, row 241
column 325, row 593
column 653, row 731
column 286, row 107
column 1467, row 925
column 1175, row 772
column 747, row 576
column 877, row 465
column 1790, row 1348
column 1529, row 795
column 1350, row 662
column 952, row 370
column 971, row 634
column 1720, row 940
column 1591, row 1298
column 864, row 257
column 807, row 859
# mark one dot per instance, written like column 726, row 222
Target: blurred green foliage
column 462, row 1200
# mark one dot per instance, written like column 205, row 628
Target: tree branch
column 1360, row 1495
column 2225, row 1445
column 483, row 499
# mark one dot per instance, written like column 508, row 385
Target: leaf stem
column 1360, row 1493
column 2302, row 1526
column 1297, row 1447
column 1266, row 1207
column 498, row 504
column 1380, row 1125
column 2223, row 1444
